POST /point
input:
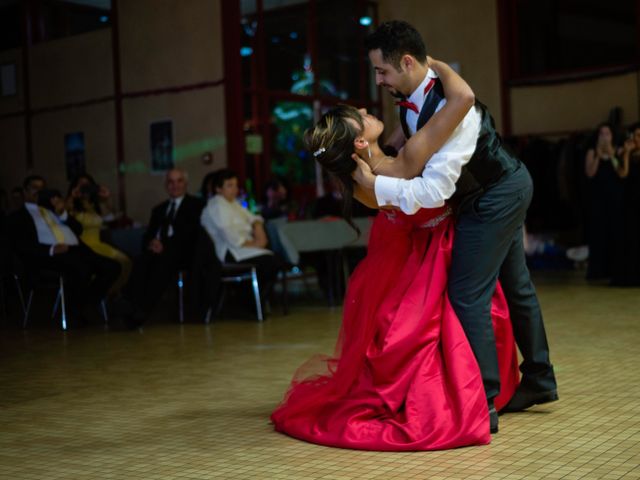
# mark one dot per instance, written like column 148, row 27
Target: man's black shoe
column 525, row 398
column 493, row 420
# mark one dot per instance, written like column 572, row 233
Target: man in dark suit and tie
column 44, row 241
column 168, row 244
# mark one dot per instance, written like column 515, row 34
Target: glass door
column 299, row 58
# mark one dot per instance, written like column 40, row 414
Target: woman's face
column 373, row 127
column 229, row 189
column 605, row 136
column 636, row 137
column 77, row 191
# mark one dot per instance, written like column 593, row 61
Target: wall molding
column 125, row 95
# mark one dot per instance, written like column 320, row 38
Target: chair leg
column 20, row 294
column 105, row 314
column 223, row 293
column 56, row 304
column 26, row 306
column 181, row 296
column 207, row 317
column 256, row 293
column 62, row 303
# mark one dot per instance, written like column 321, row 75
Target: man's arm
column 411, row 160
column 437, row 183
column 432, row 137
column 23, row 236
column 152, row 227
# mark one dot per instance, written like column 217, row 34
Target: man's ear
column 360, row 143
column 408, row 62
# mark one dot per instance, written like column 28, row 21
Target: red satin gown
column 403, row 376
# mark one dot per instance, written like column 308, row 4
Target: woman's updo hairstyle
column 330, row 142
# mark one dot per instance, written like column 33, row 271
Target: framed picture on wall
column 161, row 137
column 74, row 153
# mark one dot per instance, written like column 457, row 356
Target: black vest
column 489, row 162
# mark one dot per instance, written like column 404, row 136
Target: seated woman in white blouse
column 238, row 234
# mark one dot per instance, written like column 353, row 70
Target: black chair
column 231, row 273
column 60, row 302
column 220, row 274
column 238, row 273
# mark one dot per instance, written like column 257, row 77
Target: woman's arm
column 104, row 198
column 591, row 163
column 623, row 170
column 412, row 159
column 365, row 196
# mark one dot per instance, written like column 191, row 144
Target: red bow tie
column 413, row 106
column 409, row 105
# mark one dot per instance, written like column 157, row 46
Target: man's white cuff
column 386, row 189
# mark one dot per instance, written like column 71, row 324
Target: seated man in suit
column 239, row 235
column 44, row 241
column 168, row 244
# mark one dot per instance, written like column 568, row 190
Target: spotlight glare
column 366, row 21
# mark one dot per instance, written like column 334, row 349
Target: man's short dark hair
column 395, row 39
column 222, row 176
column 31, row 178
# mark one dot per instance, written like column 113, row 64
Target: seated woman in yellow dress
column 89, row 204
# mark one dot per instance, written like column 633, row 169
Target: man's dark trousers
column 489, row 245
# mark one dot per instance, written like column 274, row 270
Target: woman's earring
column 369, row 150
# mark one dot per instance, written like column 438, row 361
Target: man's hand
column 156, row 246
column 363, row 174
column 60, row 248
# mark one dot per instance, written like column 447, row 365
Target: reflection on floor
column 192, row 401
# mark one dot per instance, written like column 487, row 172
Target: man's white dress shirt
column 438, row 181
column 45, row 234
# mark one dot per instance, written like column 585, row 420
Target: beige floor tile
column 193, row 401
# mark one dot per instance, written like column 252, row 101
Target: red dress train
column 403, row 376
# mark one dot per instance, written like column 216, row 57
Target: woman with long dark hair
column 88, row 202
column 604, row 169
